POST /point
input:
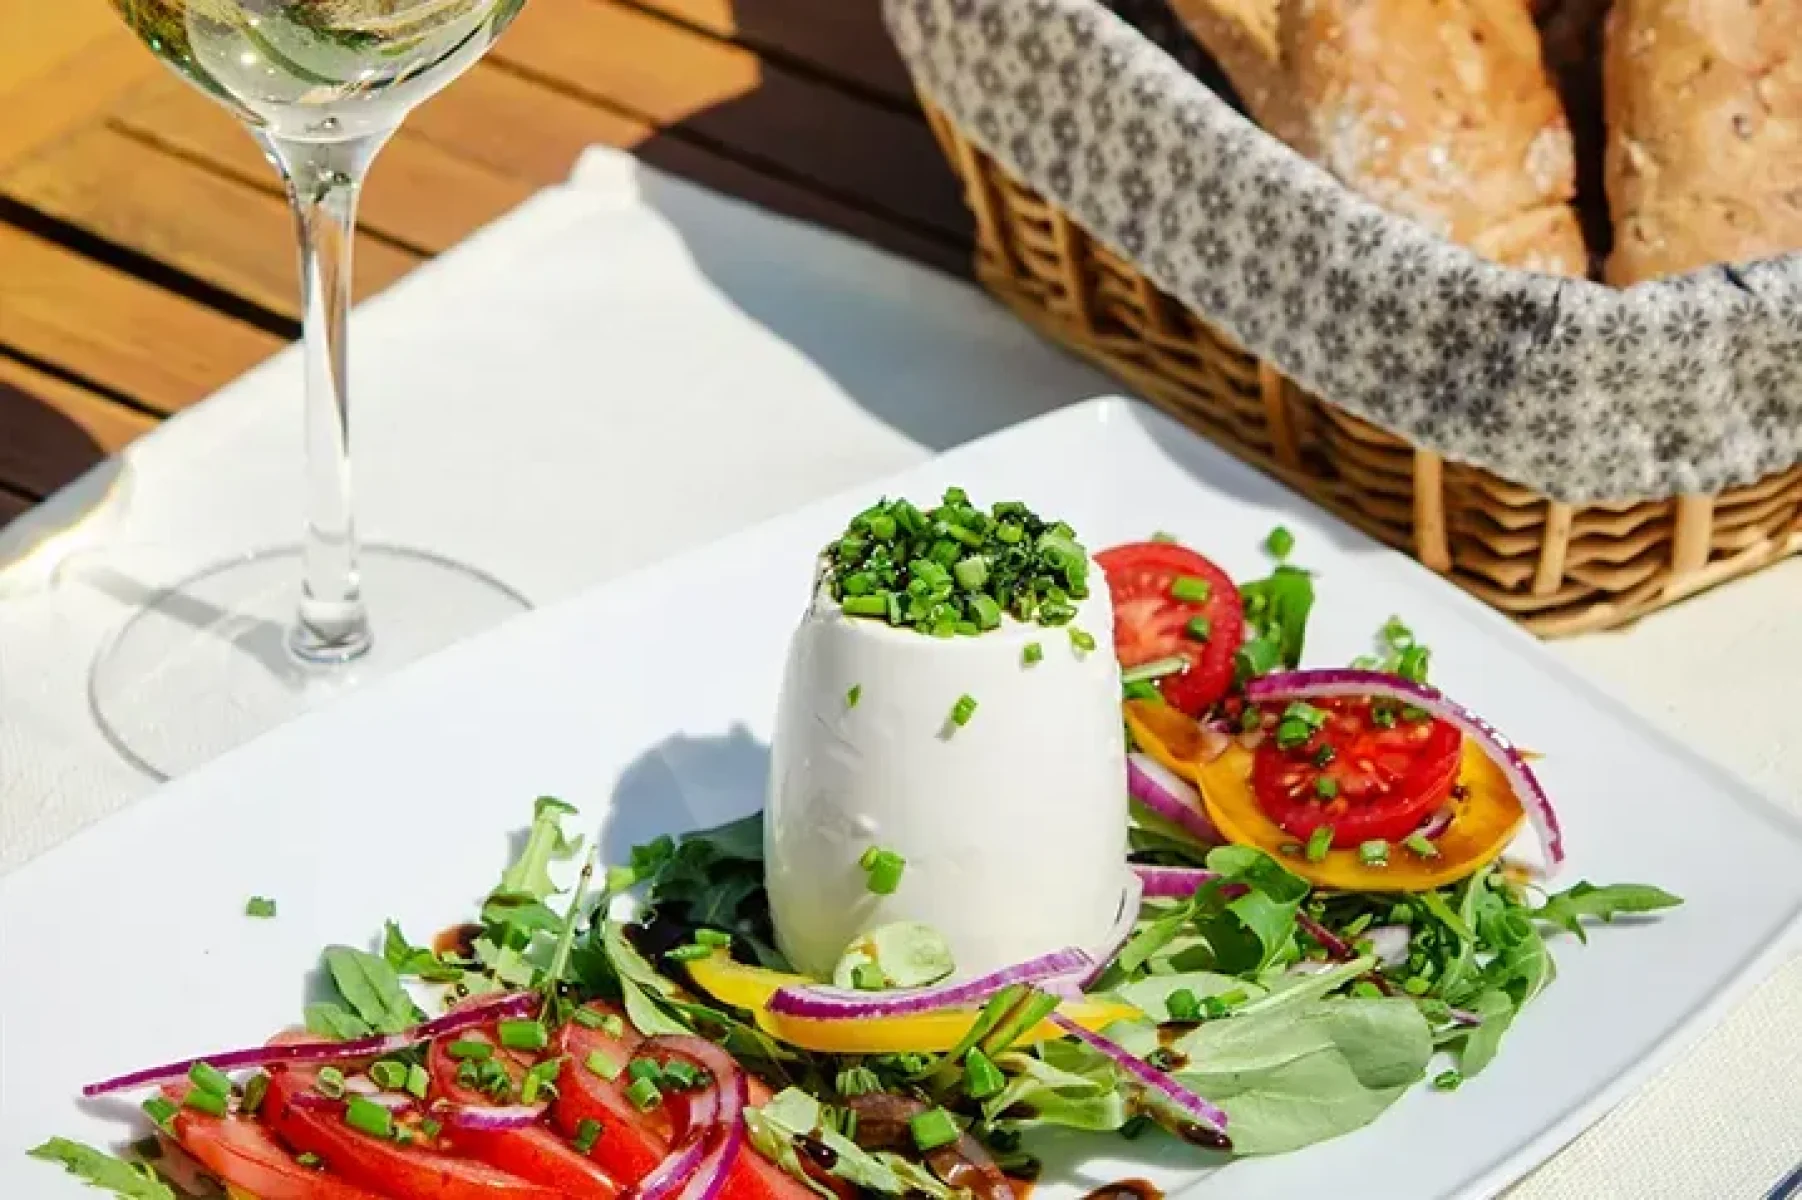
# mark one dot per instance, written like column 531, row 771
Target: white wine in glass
column 245, row 645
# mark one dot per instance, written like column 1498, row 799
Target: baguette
column 1704, row 159
column 1438, row 110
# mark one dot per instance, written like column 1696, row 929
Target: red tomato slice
column 1367, row 781
column 1151, row 623
column 412, row 1172
column 243, row 1153
column 634, row 1142
column 534, row 1153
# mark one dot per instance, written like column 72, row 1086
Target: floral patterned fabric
column 1580, row 391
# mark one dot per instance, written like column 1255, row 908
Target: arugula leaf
column 1276, row 612
column 371, row 988
column 1442, row 912
column 418, row 962
column 1081, row 1095
column 638, row 982
column 1480, row 1045
column 792, row 1114
column 1267, row 911
column 1568, row 908
column 1152, row 937
column 529, row 875
column 328, row 1020
column 98, row 1169
column 1524, row 968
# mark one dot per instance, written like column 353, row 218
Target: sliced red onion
column 1149, row 1077
column 1436, row 824
column 1117, row 937
column 1159, row 789
column 487, row 1118
column 1390, row 943
column 1349, row 682
column 712, row 1133
column 840, row 1004
column 482, row 1012
column 1329, row 941
column 1171, row 883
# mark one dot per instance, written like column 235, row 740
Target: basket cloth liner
column 1582, row 392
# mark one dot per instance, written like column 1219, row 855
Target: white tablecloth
column 627, row 367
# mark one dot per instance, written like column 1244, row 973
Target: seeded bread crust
column 1438, row 110
column 1704, row 158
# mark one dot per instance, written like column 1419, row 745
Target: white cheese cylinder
column 1013, row 826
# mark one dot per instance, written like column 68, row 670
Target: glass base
column 207, row 664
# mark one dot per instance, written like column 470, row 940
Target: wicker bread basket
column 1558, row 567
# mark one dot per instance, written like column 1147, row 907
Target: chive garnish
column 1416, row 985
column 854, row 695
column 587, row 1018
column 932, row 1129
column 366, row 1116
column 867, row 977
column 1421, row 844
column 1374, row 853
column 982, row 1078
column 883, row 869
column 419, row 1081
column 524, row 1035
column 255, row 1089
column 613, row 1025
column 209, row 1078
column 1033, row 653
column 213, row 1103
column 1326, row 787
column 602, row 1065
column 641, row 1069
column 309, row 1160
column 1319, row 842
column 1156, row 669
column 588, row 1132
column 329, row 1083
column 160, row 1109
column 1191, row 590
column 682, row 1075
column 1166, row 538
column 1140, row 690
column 644, row 1095
column 540, row 1079
column 1183, row 1005
column 261, row 907
column 1199, row 629
column 1083, row 641
column 473, row 1050
column 389, row 1075
column 964, row 709
column 1279, row 543
column 430, row 1128
column 719, row 939
column 692, row 953
column 1447, row 1081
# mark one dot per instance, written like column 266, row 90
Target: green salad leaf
column 1568, row 909
column 415, row 962
column 792, row 1114
column 639, row 982
column 98, row 1169
column 1276, row 619
column 529, row 875
column 329, row 1020
column 372, row 989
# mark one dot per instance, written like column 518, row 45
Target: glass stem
column 324, row 181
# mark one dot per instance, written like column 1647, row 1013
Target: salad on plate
column 1052, row 841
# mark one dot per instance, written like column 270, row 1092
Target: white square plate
column 648, row 704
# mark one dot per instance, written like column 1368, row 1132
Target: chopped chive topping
column 430, row 1127
column 204, row 1101
column 1412, row 663
column 310, row 1160
column 524, row 1035
column 1083, row 641
column 1366, row 990
column 1324, row 754
column 389, row 1075
column 255, row 1088
column 1191, row 590
column 587, row 1018
column 1156, row 669
column 259, row 906
column 868, row 977
column 601, row 1065
column 588, row 1132
column 1032, row 654
column 329, row 1082
column 963, row 710
column 1319, row 842
column 1326, row 787
column 982, row 1078
column 719, row 939
column 1291, row 733
column 1421, row 844
column 854, row 695
column 474, row 1050
column 542, row 1078
column 1199, row 629
column 1183, row 1005
column 955, row 570
column 1447, row 1081
column 883, row 868
column 209, row 1078
column 419, row 1082
column 366, row 1116
column 1374, row 853
column 644, row 1095
column 1306, row 713
column 1417, row 985
column 640, row 1069
column 682, row 1075
column 690, row 953
column 932, row 1129
column 1166, row 538
column 1382, row 716
column 160, row 1108
column 1138, row 689
column 612, row 1025
column 1279, row 543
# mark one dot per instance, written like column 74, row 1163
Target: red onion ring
column 1149, row 1077
column 1159, row 789
column 839, row 1004
column 483, row 1012
column 1349, row 682
column 713, row 1129
column 1435, row 824
column 1171, row 883
column 486, row 1118
column 320, row 1102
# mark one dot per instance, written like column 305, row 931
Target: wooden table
column 146, row 254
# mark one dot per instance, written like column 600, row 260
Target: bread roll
column 1439, row 110
column 1704, row 105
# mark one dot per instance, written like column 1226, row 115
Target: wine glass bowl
column 204, row 665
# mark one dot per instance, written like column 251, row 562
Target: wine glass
column 231, row 652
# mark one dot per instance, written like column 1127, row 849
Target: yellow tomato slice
column 1170, row 736
column 928, row 1032
column 750, row 988
column 1484, row 820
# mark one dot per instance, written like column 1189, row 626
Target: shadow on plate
column 682, row 783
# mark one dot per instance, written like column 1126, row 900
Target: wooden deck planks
column 145, row 247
